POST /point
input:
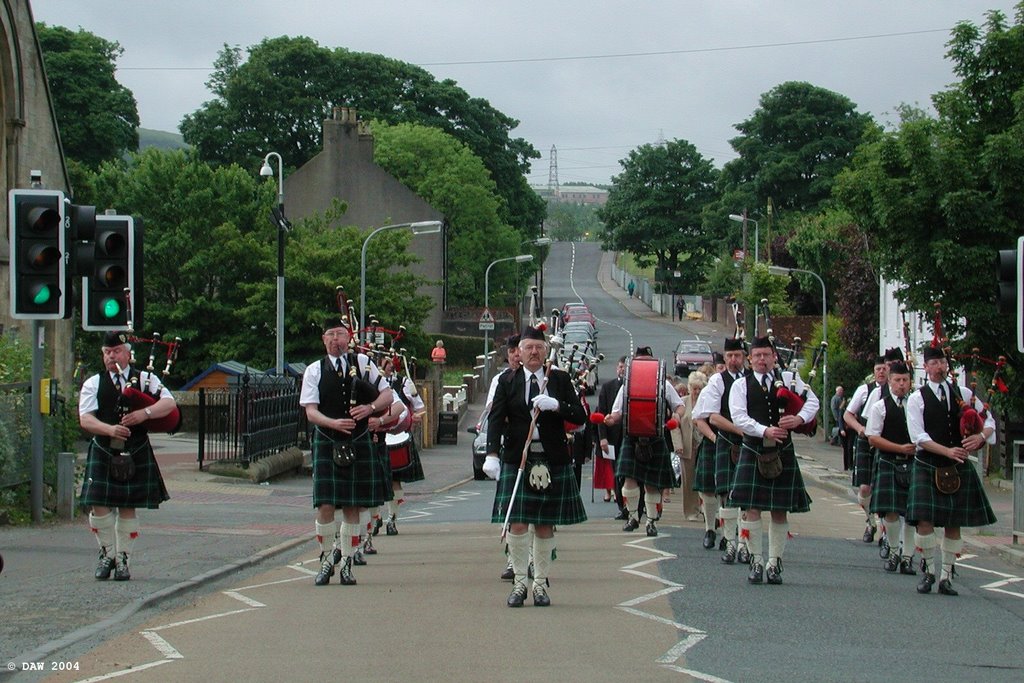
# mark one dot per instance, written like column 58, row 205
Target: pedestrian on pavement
column 630, row 287
column 341, row 394
column 767, row 475
column 933, row 420
column 680, row 308
column 837, row 404
column 438, row 354
column 547, row 495
column 121, row 473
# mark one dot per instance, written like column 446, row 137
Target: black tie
column 942, row 396
column 117, row 381
column 534, row 388
column 337, row 364
column 899, row 402
column 764, row 383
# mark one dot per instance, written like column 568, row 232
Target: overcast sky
column 595, row 78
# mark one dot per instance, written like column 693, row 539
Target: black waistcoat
column 109, row 398
column 727, row 380
column 761, row 405
column 894, row 427
column 941, row 422
column 338, row 393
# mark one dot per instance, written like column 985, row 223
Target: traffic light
column 38, row 266
column 112, row 275
column 1010, row 265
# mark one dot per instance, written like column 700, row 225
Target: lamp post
column 418, row 228
column 538, row 242
column 780, row 270
column 757, row 236
column 522, row 258
column 278, row 219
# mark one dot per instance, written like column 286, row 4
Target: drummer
column 405, row 459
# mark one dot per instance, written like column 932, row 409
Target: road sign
column 486, row 320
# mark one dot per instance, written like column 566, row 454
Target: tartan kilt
column 886, row 494
column 704, row 470
column 560, row 504
column 361, row 484
column 656, row 472
column 414, row 470
column 785, row 493
column 864, row 463
column 384, row 460
column 967, row 507
column 145, row 490
column 725, row 470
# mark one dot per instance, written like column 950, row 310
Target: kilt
column 864, row 462
column 967, row 507
column 656, row 472
column 725, row 470
column 785, row 493
column 886, row 494
column 361, row 484
column 384, row 461
column 560, row 504
column 145, row 490
column 414, row 470
column 704, row 474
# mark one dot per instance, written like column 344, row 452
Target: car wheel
column 681, row 371
column 478, row 475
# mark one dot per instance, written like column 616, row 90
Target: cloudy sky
column 594, row 78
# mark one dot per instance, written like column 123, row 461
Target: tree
column 572, row 222
column 279, row 96
column 96, row 115
column 654, row 209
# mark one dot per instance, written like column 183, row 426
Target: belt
column 536, row 447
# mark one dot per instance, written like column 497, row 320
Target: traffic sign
column 486, row 320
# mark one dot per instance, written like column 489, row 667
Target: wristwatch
column 149, row 413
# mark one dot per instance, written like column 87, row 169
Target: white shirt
column 863, row 397
column 750, row 426
column 671, row 397
column 915, row 412
column 310, row 394
column 709, row 401
column 88, row 402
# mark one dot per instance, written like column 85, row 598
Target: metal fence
column 16, row 434
column 255, row 417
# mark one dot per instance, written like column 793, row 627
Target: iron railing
column 16, row 435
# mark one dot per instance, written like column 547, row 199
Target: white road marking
column 243, row 599
column 125, row 672
column 201, row 619
column 162, row 646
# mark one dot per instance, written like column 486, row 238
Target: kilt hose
column 786, row 492
column 560, row 504
column 887, row 495
column 704, row 469
column 414, row 470
column 360, row 484
column 656, row 472
column 145, row 490
column 864, row 462
column 967, row 507
column 725, row 468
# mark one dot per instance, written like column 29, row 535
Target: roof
column 233, row 368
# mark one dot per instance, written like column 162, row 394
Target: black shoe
column 651, row 529
column 358, row 559
column 756, row 573
column 509, row 573
column 529, row 570
column 518, row 595
column 773, row 574
column 368, row 548
column 743, row 555
column 722, row 543
column 632, row 524
column 927, row 581
column 345, row 573
column 376, row 525
column 104, row 566
column 946, row 587
column 892, row 563
column 121, row 572
column 709, row 540
column 869, row 533
column 392, row 528
column 907, row 566
column 540, row 596
column 327, row 562
column 730, row 554
column 622, row 516
column 883, row 547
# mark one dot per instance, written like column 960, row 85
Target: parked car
column 479, row 446
column 691, row 354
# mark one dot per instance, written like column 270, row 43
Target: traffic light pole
column 36, row 420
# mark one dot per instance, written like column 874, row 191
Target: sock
column 519, row 552
column 892, row 532
column 399, row 495
column 126, row 529
column 865, row 504
column 729, row 519
column 754, row 541
column 102, row 527
column 778, row 534
column 950, row 549
column 328, row 531
column 926, row 544
column 632, row 498
column 348, row 539
column 710, row 510
column 543, row 556
column 740, row 522
column 653, row 503
column 909, row 539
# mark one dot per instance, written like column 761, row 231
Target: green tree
column 572, row 222
column 278, row 97
column 654, row 209
column 96, row 115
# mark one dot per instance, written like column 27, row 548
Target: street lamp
column 757, row 237
column 538, row 242
column 418, row 228
column 278, row 219
column 522, row 258
column 780, row 270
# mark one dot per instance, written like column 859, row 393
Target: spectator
column 837, row 405
column 630, row 287
column 438, row 354
column 680, row 307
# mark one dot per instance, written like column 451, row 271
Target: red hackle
column 597, row 418
column 541, row 327
column 792, row 404
column 671, row 423
column 970, row 422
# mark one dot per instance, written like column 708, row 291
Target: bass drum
column 644, row 393
column 399, row 450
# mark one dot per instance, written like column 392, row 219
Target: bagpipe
column 790, row 400
column 144, row 396
column 738, row 317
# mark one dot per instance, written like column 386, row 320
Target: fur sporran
column 769, row 464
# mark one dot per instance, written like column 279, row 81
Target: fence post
column 202, row 427
column 66, row 485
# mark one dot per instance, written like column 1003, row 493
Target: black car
column 479, row 446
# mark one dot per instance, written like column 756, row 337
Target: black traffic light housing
column 112, row 275
column 38, row 263
column 1010, row 268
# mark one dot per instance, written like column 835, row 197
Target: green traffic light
column 41, row 295
column 111, row 308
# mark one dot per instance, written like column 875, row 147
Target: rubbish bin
column 448, row 427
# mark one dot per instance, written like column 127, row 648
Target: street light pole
column 521, row 258
column 282, row 227
column 757, row 235
column 538, row 242
column 418, row 228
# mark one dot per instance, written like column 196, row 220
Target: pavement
column 215, row 526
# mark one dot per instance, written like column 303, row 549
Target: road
column 625, row 606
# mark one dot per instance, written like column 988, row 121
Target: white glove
column 545, row 402
column 492, row 466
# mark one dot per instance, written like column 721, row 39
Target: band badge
column 540, row 476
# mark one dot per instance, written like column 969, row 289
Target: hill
column 160, row 139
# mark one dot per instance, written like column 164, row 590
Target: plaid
column 361, row 484
column 886, row 494
column 751, row 491
column 145, row 490
column 655, row 472
column 725, row 470
column 864, row 462
column 414, row 470
column 384, row 461
column 704, row 471
column 967, row 507
column 560, row 504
